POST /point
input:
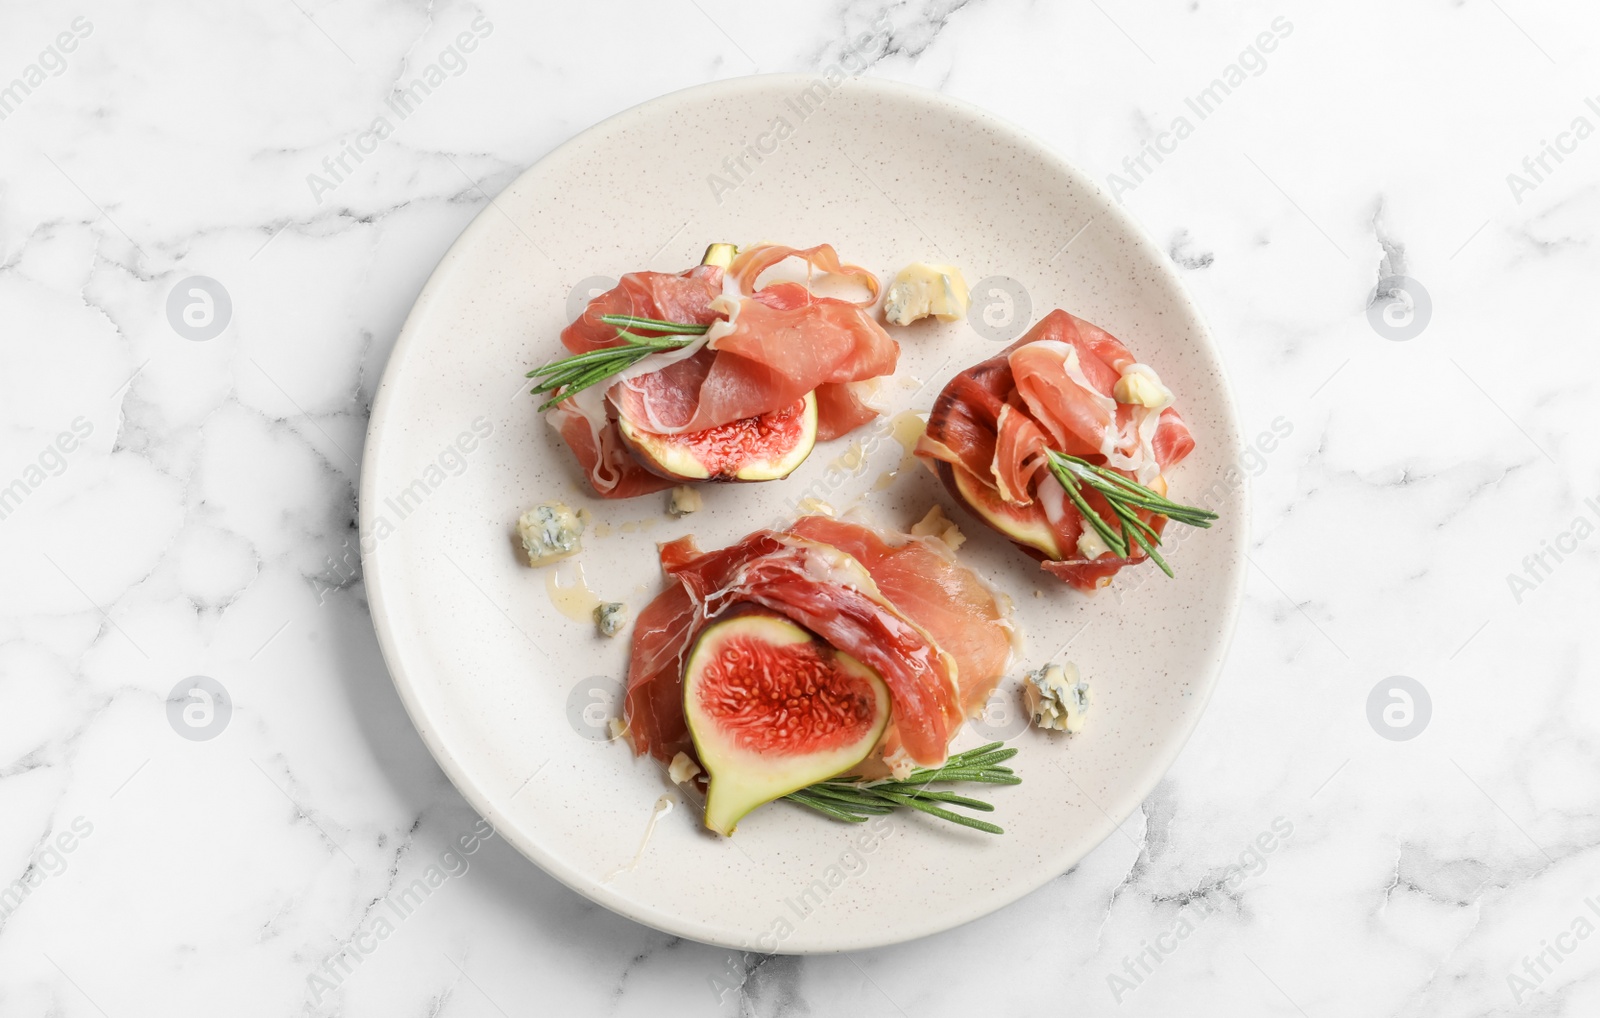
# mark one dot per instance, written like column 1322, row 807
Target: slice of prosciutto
column 768, row 347
column 938, row 636
column 1056, row 388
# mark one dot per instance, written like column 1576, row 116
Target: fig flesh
column 764, row 448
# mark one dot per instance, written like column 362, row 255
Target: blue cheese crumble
column 550, row 531
column 1056, row 697
column 921, row 290
column 610, row 617
column 683, row 500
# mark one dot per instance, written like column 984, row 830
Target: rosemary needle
column 655, row 324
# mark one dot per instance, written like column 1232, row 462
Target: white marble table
column 182, row 506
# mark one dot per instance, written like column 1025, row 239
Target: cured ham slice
column 922, row 578
column 769, row 357
column 842, row 407
column 1056, row 388
column 672, row 297
column 934, row 632
column 1065, row 371
column 767, row 347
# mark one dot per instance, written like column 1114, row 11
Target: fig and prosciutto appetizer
column 800, row 654
column 707, row 375
column 1063, row 442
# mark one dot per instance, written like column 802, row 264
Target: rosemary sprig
column 853, row 799
column 573, row 374
column 1125, row 496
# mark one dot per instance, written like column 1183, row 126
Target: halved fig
column 772, row 709
column 764, row 448
column 1026, row 525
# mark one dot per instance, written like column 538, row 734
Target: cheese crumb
column 937, row 524
column 899, row 763
column 1090, row 545
column 683, row 500
column 1056, row 697
column 610, row 617
column 921, row 290
column 682, row 769
column 1141, row 386
column 813, row 506
column 550, row 531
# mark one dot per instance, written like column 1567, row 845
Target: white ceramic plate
column 506, row 689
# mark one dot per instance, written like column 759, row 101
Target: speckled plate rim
column 1205, row 673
